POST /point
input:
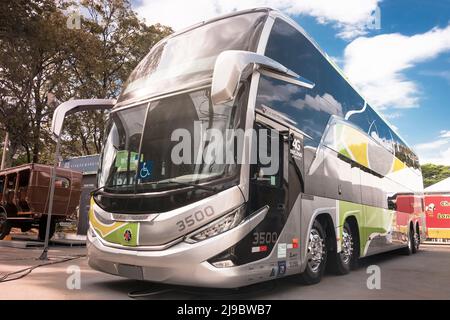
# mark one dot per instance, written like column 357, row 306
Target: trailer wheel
column 316, row 255
column 5, row 227
column 26, row 227
column 43, row 226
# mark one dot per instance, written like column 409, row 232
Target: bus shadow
column 147, row 290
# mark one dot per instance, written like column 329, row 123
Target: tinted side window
column 289, row 47
column 309, row 109
column 293, row 104
column 379, row 130
column 332, row 95
column 405, row 154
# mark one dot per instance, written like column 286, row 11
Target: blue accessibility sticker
column 145, row 170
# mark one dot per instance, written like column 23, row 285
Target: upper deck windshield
column 189, row 57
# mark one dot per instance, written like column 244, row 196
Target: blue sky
column 402, row 68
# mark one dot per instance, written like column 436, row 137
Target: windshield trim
column 190, row 87
column 267, row 10
column 171, row 191
column 134, row 188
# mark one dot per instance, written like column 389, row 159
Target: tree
column 101, row 62
column 43, row 62
column 31, row 65
column 433, row 173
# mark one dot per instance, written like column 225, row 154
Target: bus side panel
column 438, row 215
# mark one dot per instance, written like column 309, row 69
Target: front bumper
column 181, row 264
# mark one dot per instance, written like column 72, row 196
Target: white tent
column 442, row 186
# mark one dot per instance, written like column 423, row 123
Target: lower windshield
column 167, row 143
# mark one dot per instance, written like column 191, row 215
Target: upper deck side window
column 310, row 109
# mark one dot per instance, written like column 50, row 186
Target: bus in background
column 329, row 190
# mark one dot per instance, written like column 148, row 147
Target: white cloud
column 444, row 134
column 441, row 157
column 441, row 74
column 433, row 145
column 376, row 65
column 437, row 151
column 350, row 17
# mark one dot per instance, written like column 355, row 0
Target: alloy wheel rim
column 315, row 250
column 347, row 246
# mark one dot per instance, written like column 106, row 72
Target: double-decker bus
column 339, row 185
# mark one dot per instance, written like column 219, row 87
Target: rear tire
column 43, row 226
column 346, row 260
column 408, row 250
column 5, row 227
column 317, row 256
column 416, row 240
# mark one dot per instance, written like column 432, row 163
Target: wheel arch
column 326, row 221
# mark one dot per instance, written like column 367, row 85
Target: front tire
column 317, row 255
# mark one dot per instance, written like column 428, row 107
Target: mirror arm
column 229, row 68
column 298, row 80
column 76, row 105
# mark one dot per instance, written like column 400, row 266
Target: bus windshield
column 189, row 57
column 162, row 144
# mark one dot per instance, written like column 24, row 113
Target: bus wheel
column 343, row 261
column 5, row 227
column 416, row 240
column 316, row 255
column 408, row 250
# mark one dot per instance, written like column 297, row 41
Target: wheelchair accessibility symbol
column 145, row 169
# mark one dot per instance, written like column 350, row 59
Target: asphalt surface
column 425, row 275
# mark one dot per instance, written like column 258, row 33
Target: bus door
column 277, row 185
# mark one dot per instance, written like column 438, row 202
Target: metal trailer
column 24, row 194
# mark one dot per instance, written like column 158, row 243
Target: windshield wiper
column 189, row 184
column 93, row 192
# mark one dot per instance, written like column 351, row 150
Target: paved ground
column 425, row 275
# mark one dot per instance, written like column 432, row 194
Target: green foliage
column 433, row 173
column 43, row 63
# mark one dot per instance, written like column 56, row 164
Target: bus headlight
column 225, row 223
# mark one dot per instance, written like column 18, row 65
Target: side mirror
column 72, row 106
column 230, row 66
